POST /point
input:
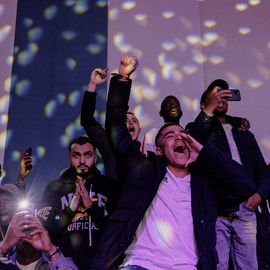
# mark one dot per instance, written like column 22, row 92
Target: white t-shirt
column 233, row 147
column 165, row 237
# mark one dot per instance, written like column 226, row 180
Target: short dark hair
column 81, row 140
column 162, row 128
column 219, row 82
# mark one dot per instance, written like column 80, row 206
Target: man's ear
column 202, row 106
column 159, row 151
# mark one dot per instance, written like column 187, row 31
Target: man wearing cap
column 165, row 216
column 236, row 226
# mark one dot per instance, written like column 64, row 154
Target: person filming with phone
column 236, row 227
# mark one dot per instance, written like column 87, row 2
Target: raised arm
column 117, row 107
column 93, row 129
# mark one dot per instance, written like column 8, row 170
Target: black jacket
column 145, row 175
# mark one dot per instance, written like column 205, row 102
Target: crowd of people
column 183, row 199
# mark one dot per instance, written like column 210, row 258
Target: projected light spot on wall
column 209, row 23
column 254, row 83
column 143, row 92
column 50, row 12
column 216, row 59
column 40, row 151
column 3, row 119
column 190, row 104
column 23, row 87
column 150, row 76
column 168, row 46
column 74, row 98
column 113, row 14
column 189, row 70
column 50, row 108
column 129, row 4
column 4, row 103
column 241, row 6
column 199, row 58
column 244, row 30
column 16, row 155
column 71, row 63
column 61, row 98
column 35, row 34
column 25, row 57
column 81, row 6
column 168, row 14
column 4, row 32
column 210, row 37
column 141, row 19
column 193, row 39
column 68, row 35
column 28, row 22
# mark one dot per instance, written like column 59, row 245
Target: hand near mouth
column 193, row 146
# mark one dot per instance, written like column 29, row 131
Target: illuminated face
column 133, row 126
column 172, row 146
column 82, row 158
column 7, row 208
column 170, row 109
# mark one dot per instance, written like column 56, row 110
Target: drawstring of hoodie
column 90, row 222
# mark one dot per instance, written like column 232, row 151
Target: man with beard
column 165, row 216
column 236, row 226
column 76, row 204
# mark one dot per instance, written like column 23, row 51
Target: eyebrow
column 167, row 133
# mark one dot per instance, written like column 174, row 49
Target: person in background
column 76, row 204
column 236, row 226
column 171, row 112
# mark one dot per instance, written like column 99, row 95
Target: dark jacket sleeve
column 200, row 129
column 127, row 151
column 97, row 134
column 228, row 174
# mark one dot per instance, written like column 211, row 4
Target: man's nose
column 82, row 159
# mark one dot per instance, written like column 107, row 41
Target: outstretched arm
column 93, row 129
column 117, row 107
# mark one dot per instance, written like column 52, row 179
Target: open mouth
column 179, row 149
column 173, row 112
column 131, row 129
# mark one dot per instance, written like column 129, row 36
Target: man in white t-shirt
column 166, row 213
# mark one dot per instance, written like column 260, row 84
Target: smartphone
column 235, row 95
column 28, row 152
